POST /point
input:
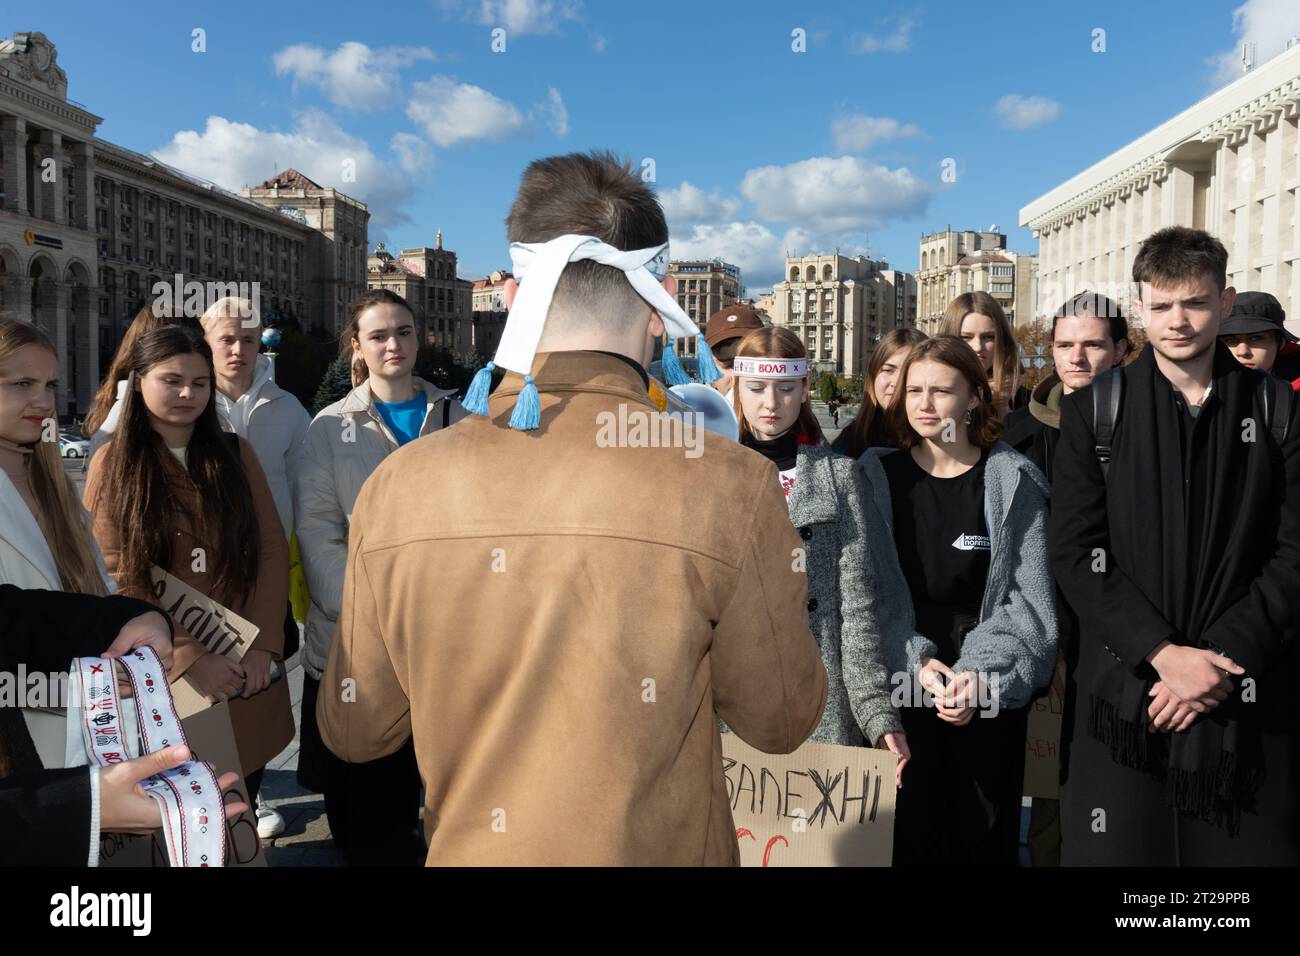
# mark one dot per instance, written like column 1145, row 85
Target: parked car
column 70, row 446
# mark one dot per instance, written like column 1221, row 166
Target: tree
column 825, row 386
column 301, row 361
column 444, row 369
column 336, row 383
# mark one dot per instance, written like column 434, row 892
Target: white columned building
column 1229, row 164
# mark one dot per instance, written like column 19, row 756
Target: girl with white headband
column 827, row 502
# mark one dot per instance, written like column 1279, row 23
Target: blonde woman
column 45, row 535
column 978, row 320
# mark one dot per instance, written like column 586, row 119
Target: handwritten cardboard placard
column 1043, row 739
column 823, row 805
column 219, row 629
column 211, row 738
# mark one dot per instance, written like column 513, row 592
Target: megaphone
column 716, row 411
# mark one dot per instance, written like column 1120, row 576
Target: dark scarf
column 1192, row 549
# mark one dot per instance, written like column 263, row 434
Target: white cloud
column 527, row 16
column 354, row 75
column 233, row 155
column 826, row 194
column 900, row 41
column 689, row 204
column 551, row 111
column 758, row 251
column 1022, row 112
column 412, row 152
column 858, row 133
column 598, row 42
column 1266, row 23
column 451, row 112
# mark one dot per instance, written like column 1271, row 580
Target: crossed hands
column 1193, row 681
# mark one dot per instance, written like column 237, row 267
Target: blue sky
column 756, row 148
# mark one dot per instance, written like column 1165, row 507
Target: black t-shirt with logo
column 943, row 546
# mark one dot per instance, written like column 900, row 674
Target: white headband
column 544, row 261
column 770, row 367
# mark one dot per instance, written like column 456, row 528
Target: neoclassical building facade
column 1229, row 164
column 89, row 229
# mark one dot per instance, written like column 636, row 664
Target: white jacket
column 27, row 561
column 105, row 430
column 345, row 444
column 271, row 419
column 275, row 424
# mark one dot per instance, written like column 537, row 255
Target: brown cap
column 733, row 322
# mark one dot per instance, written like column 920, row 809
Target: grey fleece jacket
column 829, row 508
column 1015, row 639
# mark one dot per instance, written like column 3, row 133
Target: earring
column 968, row 416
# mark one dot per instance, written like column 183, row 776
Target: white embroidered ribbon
column 543, row 262
column 193, row 811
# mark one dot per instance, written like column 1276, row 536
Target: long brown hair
column 870, row 426
column 62, row 519
column 139, row 492
column 146, row 320
column 984, row 429
column 776, row 341
column 352, row 328
column 1005, row 374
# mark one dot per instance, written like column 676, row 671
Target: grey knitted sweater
column 830, row 507
column 1015, row 639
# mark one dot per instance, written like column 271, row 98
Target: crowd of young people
column 504, row 609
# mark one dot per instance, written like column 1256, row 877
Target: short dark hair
column 1097, row 306
column 1178, row 254
column 590, row 194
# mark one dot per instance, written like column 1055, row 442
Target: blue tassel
column 476, row 396
column 709, row 371
column 671, row 365
column 528, row 408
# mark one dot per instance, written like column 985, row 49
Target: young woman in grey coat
column 969, row 522
column 828, row 505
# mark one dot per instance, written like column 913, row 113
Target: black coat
column 45, row 814
column 1032, row 429
column 1243, row 547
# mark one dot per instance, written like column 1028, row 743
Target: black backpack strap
column 446, row 411
column 1106, row 391
column 1276, row 396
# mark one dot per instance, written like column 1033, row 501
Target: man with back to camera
column 558, row 623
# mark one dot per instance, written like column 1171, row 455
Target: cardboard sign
column 219, row 629
column 210, row 738
column 1043, row 739
column 823, row 805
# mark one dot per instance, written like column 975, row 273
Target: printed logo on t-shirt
column 971, row 542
